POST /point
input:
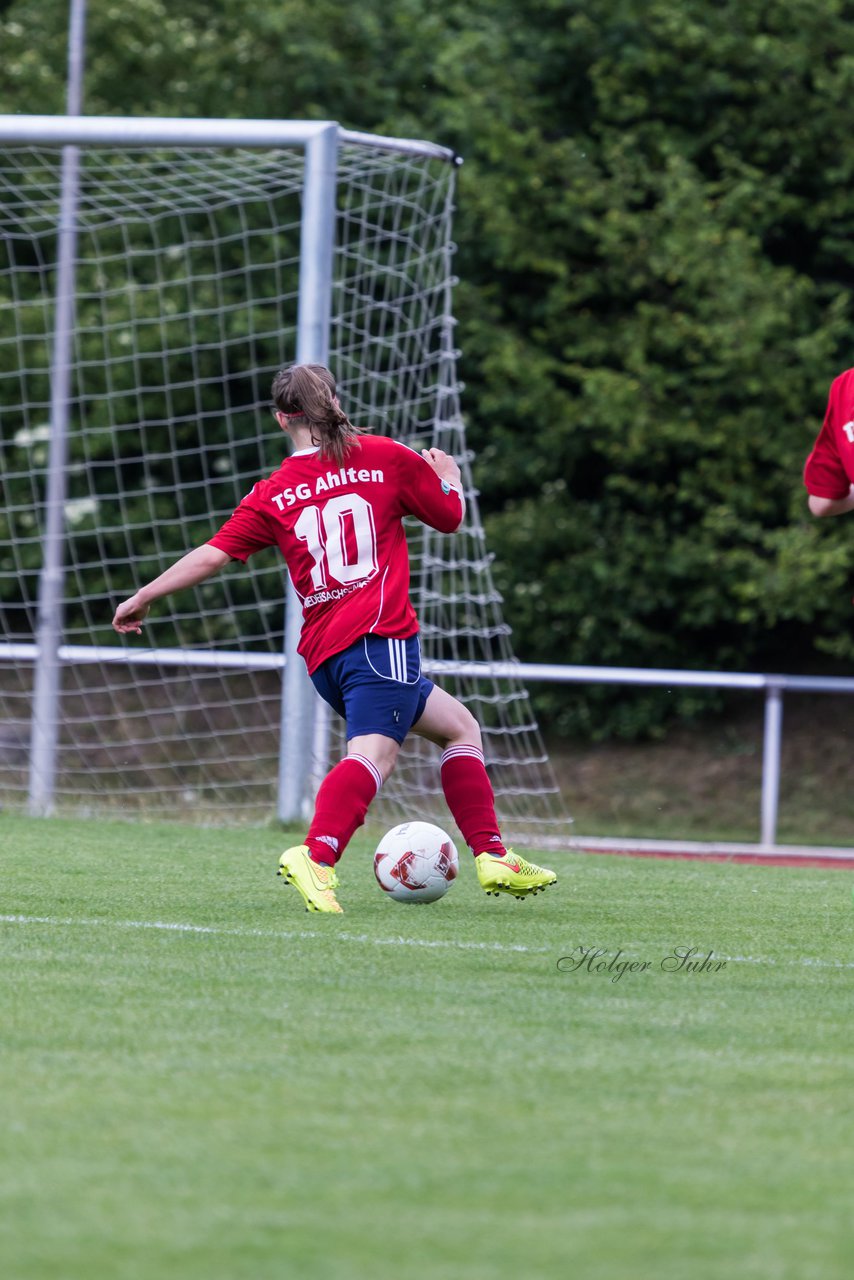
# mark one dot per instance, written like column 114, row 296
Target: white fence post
column 771, row 762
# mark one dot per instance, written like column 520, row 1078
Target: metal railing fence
column 774, row 686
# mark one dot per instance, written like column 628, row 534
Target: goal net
column 185, row 303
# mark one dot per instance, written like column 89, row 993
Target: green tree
column 656, row 247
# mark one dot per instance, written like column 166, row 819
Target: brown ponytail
column 309, row 389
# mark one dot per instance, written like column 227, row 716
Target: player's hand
column 130, row 616
column 443, row 464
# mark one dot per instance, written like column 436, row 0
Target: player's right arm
column 831, row 506
column 194, row 567
column 431, row 488
column 444, row 465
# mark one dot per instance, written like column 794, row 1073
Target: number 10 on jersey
column 341, row 539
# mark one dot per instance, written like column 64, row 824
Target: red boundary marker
column 842, row 862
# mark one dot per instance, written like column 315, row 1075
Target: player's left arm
column 197, row 565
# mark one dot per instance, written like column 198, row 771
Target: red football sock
column 468, row 792
column 340, row 808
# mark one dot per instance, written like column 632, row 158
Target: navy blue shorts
column 376, row 686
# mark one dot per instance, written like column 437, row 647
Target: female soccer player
column 829, row 470
column 334, row 509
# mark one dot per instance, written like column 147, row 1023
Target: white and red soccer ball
column 416, row 862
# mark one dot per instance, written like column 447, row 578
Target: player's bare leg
column 376, row 747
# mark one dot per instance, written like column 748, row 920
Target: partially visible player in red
column 829, row 470
column 334, row 508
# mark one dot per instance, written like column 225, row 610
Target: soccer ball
column 416, row 862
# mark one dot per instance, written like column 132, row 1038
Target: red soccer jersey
column 339, row 529
column 829, row 470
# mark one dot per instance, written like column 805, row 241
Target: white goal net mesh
column 185, row 305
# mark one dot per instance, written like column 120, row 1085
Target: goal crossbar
column 155, row 131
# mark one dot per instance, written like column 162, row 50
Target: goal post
column 46, row 694
column 302, row 713
column 312, row 345
column 198, row 257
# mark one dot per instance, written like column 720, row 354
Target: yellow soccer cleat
column 511, row 874
column 314, row 881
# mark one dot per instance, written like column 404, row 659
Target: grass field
column 200, row 1080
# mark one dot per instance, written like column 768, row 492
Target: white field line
column 168, row 926
column 435, row 943
column 813, row 962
